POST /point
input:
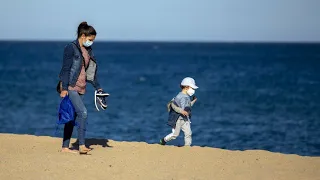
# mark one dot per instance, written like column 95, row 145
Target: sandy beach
column 34, row 157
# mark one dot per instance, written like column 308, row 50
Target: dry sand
column 33, row 157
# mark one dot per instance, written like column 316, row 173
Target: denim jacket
column 72, row 64
column 174, row 113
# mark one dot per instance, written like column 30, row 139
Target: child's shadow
column 89, row 142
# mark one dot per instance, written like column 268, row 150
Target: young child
column 180, row 112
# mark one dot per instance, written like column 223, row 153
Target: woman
column 79, row 66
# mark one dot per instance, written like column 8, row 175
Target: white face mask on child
column 190, row 92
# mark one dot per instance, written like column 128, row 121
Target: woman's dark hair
column 85, row 29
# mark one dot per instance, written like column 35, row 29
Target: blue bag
column 66, row 111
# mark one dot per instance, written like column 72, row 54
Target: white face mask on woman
column 87, row 43
column 190, row 91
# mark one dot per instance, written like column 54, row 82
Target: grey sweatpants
column 185, row 127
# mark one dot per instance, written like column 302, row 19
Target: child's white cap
column 188, row 81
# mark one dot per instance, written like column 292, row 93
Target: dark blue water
column 251, row 96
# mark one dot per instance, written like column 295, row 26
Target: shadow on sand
column 90, row 142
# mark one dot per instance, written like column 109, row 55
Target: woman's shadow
column 89, row 142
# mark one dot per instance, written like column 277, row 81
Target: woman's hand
column 63, row 93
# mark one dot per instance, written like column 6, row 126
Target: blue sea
column 252, row 95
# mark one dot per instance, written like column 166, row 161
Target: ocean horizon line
column 164, row 41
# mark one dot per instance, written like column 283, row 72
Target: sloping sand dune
column 32, row 157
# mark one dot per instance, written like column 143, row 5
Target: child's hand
column 194, row 99
column 185, row 113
